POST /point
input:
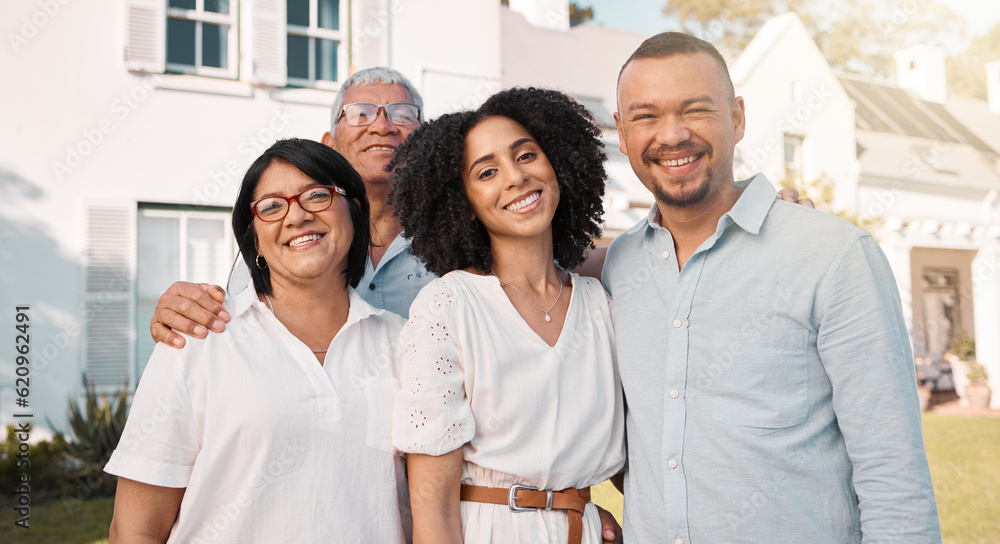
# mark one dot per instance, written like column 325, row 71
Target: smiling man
column 375, row 111
column 766, row 366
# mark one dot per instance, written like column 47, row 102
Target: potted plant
column 977, row 392
column 961, row 354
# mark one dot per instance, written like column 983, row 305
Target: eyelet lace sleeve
column 431, row 414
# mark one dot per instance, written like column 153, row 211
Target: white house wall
column 80, row 129
column 450, row 49
column 789, row 88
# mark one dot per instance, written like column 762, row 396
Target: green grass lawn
column 964, row 455
column 60, row 522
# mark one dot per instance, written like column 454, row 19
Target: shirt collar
column 752, row 206
column 245, row 299
column 358, row 311
column 748, row 212
column 398, row 245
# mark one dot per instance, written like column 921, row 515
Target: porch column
column 986, row 308
column 898, row 254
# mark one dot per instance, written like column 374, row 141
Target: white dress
column 474, row 375
column 271, row 446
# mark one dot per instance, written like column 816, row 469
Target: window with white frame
column 315, row 52
column 793, row 157
column 177, row 244
column 201, row 37
column 287, row 43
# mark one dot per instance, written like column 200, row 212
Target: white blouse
column 476, row 376
column 272, row 446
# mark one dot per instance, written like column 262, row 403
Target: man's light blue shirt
column 770, row 387
column 397, row 279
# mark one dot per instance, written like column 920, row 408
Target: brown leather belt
column 521, row 498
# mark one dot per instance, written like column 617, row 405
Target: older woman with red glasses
column 276, row 430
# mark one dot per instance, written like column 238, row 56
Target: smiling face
column 304, row 246
column 369, row 148
column 678, row 127
column 511, row 186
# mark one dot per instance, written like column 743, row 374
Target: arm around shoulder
column 191, row 308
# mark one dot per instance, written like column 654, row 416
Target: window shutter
column 269, row 43
column 369, row 34
column 108, row 294
column 146, row 35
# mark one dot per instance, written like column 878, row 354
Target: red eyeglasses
column 313, row 199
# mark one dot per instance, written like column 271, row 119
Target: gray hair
column 371, row 76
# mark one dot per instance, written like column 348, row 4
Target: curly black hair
column 429, row 197
column 326, row 167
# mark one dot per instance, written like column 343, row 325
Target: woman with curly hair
column 510, row 404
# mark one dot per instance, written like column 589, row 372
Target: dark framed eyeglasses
column 362, row 114
column 313, row 199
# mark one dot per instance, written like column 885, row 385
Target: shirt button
column 678, row 541
column 674, row 394
column 666, row 254
column 371, row 286
column 672, row 464
column 677, row 323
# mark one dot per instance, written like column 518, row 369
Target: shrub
column 977, row 373
column 49, row 470
column 97, row 426
column 963, row 346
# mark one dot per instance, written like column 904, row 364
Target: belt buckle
column 512, row 499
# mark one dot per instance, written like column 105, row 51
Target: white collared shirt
column 272, row 446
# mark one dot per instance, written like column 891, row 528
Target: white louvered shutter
column 146, row 35
column 370, row 33
column 269, row 43
column 108, row 293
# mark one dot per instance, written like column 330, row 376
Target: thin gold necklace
column 548, row 318
column 269, row 307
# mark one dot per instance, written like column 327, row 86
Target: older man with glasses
column 375, row 111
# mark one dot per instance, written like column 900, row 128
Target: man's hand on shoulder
column 790, row 194
column 191, row 308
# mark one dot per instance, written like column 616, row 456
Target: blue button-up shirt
column 396, row 281
column 770, row 385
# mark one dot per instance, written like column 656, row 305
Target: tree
column 855, row 35
column 966, row 74
column 578, row 14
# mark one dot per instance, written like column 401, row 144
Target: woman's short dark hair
column 326, row 167
column 429, row 198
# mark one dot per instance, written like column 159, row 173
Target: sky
column 645, row 16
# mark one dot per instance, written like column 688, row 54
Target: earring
column 260, row 260
column 475, row 225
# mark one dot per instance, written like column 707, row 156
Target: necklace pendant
column 547, row 318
